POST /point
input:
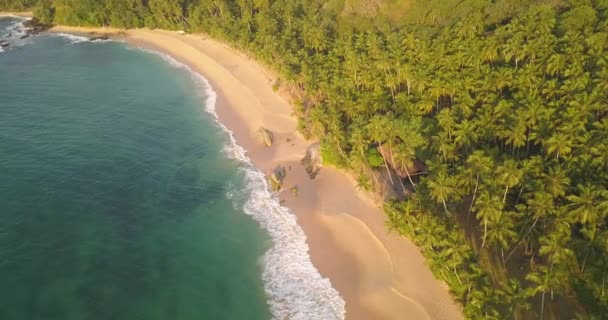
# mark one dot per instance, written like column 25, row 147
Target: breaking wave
column 74, row 39
column 293, row 285
column 15, row 35
column 71, row 37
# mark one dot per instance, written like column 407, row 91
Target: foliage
column 16, row 5
column 45, row 11
column 506, row 101
column 331, row 156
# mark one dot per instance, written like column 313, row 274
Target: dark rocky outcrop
column 99, row 37
column 312, row 161
column 27, row 29
column 276, row 178
column 34, row 26
column 265, row 136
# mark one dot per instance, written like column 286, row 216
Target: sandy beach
column 379, row 275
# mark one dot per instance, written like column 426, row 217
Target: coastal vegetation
column 484, row 122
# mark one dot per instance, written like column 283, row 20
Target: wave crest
column 71, row 37
column 293, row 285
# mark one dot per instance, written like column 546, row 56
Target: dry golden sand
column 380, row 275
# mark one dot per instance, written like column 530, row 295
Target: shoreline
column 379, row 275
column 16, row 14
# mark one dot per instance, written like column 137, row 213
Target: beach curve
column 325, row 207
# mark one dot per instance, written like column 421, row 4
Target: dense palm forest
column 485, row 124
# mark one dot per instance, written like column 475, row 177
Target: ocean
column 122, row 197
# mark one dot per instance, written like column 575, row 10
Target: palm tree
column 559, row 144
column 465, row 134
column 377, row 129
column 405, row 73
column 595, row 241
column 444, row 146
column 441, row 189
column 516, row 296
column 502, row 78
column 589, row 205
column 543, row 282
column 402, row 158
column 364, row 182
column 556, row 64
column 554, row 247
column 478, row 164
column 489, row 209
column 556, row 181
column 501, row 232
column 436, row 90
column 509, row 175
column 446, row 121
column 516, row 135
column 540, row 206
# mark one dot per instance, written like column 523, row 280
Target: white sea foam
column 15, row 30
column 105, row 40
column 71, row 37
column 12, row 34
column 293, row 285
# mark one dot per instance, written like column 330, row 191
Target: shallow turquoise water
column 113, row 192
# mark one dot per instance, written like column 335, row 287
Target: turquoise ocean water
column 121, row 197
column 113, row 192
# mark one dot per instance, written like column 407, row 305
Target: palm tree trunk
column 447, row 212
column 542, row 306
column 520, row 240
column 342, row 152
column 504, row 198
column 402, row 186
column 521, row 190
column 586, row 256
column 474, row 196
column 371, row 172
column 456, row 273
column 388, row 171
column 485, row 232
column 409, row 177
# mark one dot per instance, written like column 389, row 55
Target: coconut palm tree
column 489, row 209
column 517, row 296
column 589, row 205
column 441, row 188
column 478, row 164
column 377, row 129
column 509, row 175
column 543, row 280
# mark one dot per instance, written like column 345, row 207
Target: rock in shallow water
column 34, row 26
column 99, row 37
